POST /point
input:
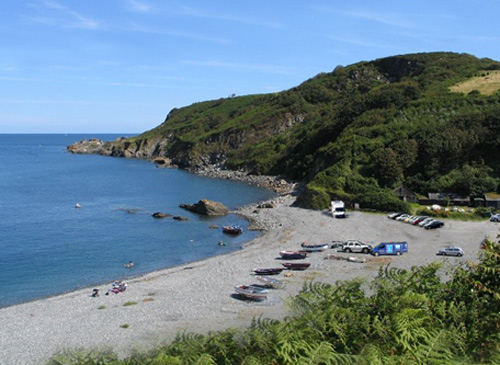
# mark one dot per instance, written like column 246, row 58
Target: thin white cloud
column 392, row 19
column 146, row 29
column 60, row 15
column 244, row 66
column 192, row 12
column 139, row 6
column 362, row 42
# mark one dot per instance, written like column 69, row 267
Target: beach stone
column 206, row 207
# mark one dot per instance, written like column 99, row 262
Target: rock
column 206, row 207
column 266, row 205
column 214, row 226
column 161, row 215
column 162, row 161
column 180, row 218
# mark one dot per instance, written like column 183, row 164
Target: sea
column 49, row 247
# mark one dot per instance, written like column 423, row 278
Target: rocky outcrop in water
column 206, row 207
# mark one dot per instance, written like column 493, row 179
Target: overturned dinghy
column 296, row 265
column 271, row 282
column 251, row 292
column 268, row 270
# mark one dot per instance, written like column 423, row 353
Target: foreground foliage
column 411, row 317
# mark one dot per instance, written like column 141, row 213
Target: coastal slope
column 354, row 133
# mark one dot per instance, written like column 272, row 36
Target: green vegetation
column 128, row 304
column 101, row 307
column 411, row 317
column 357, row 132
column 126, row 325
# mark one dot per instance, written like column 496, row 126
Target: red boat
column 296, row 265
column 293, row 255
column 232, row 229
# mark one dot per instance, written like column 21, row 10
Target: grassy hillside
column 430, row 121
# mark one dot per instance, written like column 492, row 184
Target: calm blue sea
column 48, row 247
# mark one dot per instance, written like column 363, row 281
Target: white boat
column 251, row 292
column 271, row 282
column 314, row 248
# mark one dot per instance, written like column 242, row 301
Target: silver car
column 451, row 251
column 356, row 246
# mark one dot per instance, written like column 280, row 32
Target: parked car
column 451, row 251
column 402, row 217
column 356, row 246
column 394, row 215
column 495, row 218
column 337, row 244
column 434, row 224
column 426, row 221
column 418, row 220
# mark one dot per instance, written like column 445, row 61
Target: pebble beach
column 199, row 296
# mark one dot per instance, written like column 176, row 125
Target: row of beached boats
column 260, row 292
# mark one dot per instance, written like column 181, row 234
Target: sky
column 119, row 66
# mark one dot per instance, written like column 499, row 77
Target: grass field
column 487, row 83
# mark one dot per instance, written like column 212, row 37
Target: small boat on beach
column 251, row 292
column 232, row 229
column 293, row 255
column 268, row 270
column 296, row 265
column 271, row 282
column 314, row 247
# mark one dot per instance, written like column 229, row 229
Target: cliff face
column 209, row 152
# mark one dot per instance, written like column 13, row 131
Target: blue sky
column 121, row 65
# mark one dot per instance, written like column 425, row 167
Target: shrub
column 382, row 200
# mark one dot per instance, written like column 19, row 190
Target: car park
column 451, row 251
column 434, row 224
column 495, row 218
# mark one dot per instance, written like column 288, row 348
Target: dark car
column 435, row 224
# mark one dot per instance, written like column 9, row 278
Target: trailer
column 390, row 248
column 338, row 209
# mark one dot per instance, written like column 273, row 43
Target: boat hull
column 268, row 270
column 251, row 292
column 296, row 265
column 293, row 255
column 314, row 248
